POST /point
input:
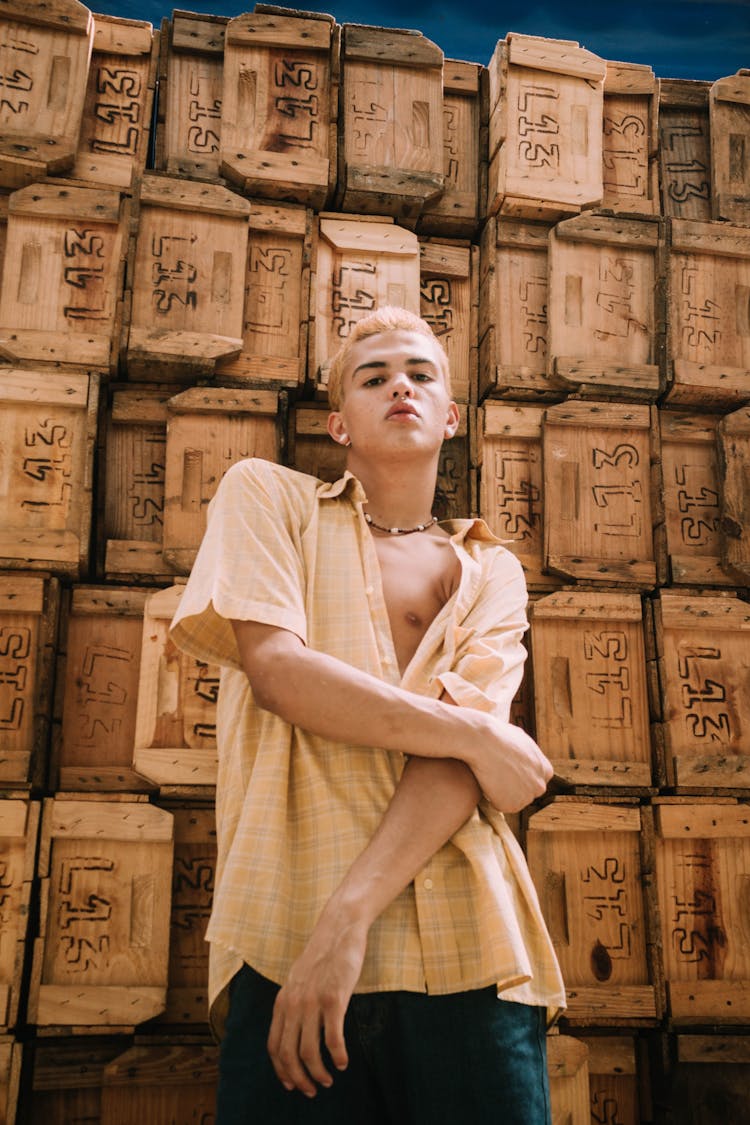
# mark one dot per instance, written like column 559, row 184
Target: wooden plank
column 208, row 431
column 709, row 1081
column 191, row 86
column 514, row 294
column 391, row 122
column 67, row 1078
column 47, row 468
column 567, row 1068
column 277, row 294
column 96, row 689
column 358, row 266
column 457, row 211
column 448, row 302
column 703, row 880
column 47, row 51
column 538, row 88
column 692, row 498
column 591, row 894
column 279, row 107
column 19, row 825
column 702, row 646
column 590, row 689
column 188, row 278
column 133, row 464
column 730, row 138
column 62, row 275
column 165, row 1082
column 684, row 149
column 602, row 306
column 599, row 510
column 29, row 619
column 116, row 122
column 614, row 1078
column 630, row 142
column 734, row 469
column 511, row 486
column 102, row 952
column 175, row 737
column 707, row 317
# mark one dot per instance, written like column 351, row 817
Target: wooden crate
column 710, row 1079
column 19, row 826
column 175, row 735
column 684, row 149
column 606, row 307
column 630, row 142
column 730, row 139
column 449, row 299
column 545, row 128
column 702, row 644
column 590, row 687
column 187, row 279
column 708, row 334
column 66, row 1081
column 116, row 126
column 703, row 871
column 208, row 429
column 133, row 465
column 567, row 1067
column 734, row 465
column 313, row 452
column 692, row 498
column 513, row 321
column 99, row 659
column 279, row 105
column 510, row 493
column 29, row 606
column 601, row 506
column 161, row 1083
column 47, row 462
column 590, row 866
column 277, row 295
column 191, row 61
column 458, row 211
column 11, row 1053
column 359, row 263
column 100, row 960
column 193, row 878
column 61, row 295
column 390, row 150
column 46, row 51
column 618, row 1090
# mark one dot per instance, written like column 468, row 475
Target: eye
column 374, row 381
column 423, row 376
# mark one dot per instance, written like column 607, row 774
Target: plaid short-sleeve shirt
column 294, row 810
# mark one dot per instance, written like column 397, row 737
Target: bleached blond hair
column 389, row 318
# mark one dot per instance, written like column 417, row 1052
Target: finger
column 333, row 1033
column 283, row 1048
column 273, row 1045
column 309, row 1048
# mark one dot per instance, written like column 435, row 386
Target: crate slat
column 630, row 142
column 730, row 138
column 685, row 149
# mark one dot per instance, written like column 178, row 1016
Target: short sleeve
column 250, row 565
column 484, row 658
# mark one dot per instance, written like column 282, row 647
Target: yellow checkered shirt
column 294, row 810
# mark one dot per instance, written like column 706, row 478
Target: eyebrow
column 379, row 365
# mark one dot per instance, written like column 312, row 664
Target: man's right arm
column 334, row 700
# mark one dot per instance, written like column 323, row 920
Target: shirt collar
column 458, row 529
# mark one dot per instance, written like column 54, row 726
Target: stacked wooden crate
column 576, row 233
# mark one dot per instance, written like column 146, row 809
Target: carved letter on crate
column 204, row 84
column 706, row 708
column 118, row 112
column 697, row 937
column 518, row 492
column 16, row 677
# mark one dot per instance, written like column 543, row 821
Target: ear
column 451, row 422
column 337, row 429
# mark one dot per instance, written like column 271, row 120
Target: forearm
column 332, row 699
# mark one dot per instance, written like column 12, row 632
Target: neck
column 397, row 496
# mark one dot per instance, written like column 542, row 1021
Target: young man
column 371, row 903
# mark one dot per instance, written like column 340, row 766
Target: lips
column 400, row 409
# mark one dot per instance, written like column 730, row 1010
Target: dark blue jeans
column 414, row 1059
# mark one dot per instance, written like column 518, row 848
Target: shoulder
column 256, row 470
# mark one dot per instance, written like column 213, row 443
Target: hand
column 511, row 769
column 314, row 999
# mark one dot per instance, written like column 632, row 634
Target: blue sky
column 701, row 39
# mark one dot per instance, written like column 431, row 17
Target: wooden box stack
column 192, row 220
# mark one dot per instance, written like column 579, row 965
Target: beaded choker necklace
column 400, row 530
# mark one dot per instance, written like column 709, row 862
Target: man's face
column 394, row 396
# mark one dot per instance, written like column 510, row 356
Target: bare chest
column 419, row 575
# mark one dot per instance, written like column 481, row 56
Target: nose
column 403, row 388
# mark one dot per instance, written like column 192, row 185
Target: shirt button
column 427, row 884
